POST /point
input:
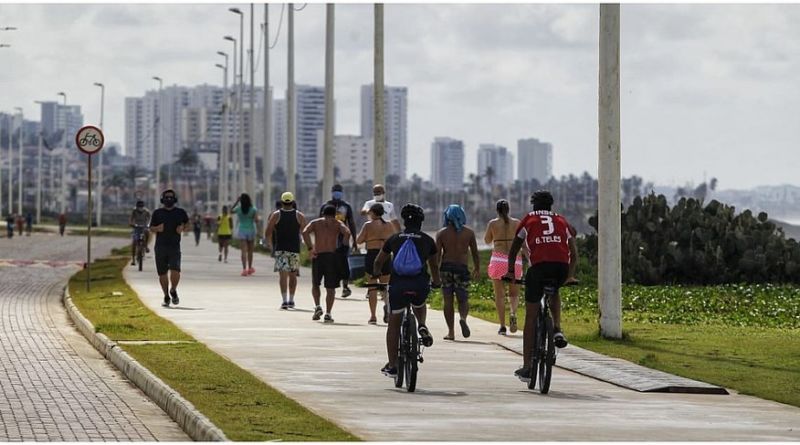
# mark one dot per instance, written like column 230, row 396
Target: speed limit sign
column 89, row 139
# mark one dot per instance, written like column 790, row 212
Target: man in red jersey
column 553, row 255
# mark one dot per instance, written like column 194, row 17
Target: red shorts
column 498, row 266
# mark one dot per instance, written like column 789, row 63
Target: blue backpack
column 407, row 262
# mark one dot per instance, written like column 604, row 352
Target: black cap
column 337, row 188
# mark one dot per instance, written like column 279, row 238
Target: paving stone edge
column 195, row 424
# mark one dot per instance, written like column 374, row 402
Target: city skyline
column 487, row 78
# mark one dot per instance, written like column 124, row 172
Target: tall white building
column 352, row 157
column 310, row 114
column 447, row 163
column 396, row 127
column 535, row 160
column 501, row 162
column 279, row 134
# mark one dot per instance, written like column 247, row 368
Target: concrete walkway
column 466, row 390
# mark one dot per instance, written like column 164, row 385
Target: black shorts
column 408, row 290
column 541, row 275
column 167, row 258
column 369, row 263
column 224, row 237
column 326, row 265
column 341, row 262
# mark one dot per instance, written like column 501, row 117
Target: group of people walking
column 398, row 253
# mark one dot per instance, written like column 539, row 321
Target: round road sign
column 89, row 139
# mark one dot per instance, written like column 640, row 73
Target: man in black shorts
column 324, row 262
column 168, row 222
column 344, row 214
column 405, row 287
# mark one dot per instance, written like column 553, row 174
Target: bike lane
column 465, row 389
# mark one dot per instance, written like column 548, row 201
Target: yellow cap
column 287, row 197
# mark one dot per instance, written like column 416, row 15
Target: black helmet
column 542, row 200
column 413, row 213
column 140, row 203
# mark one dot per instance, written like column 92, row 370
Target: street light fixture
column 8, row 28
column 5, row 45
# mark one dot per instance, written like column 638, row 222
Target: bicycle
column 140, row 237
column 409, row 352
column 544, row 354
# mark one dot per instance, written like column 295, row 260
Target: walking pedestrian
column 453, row 242
column 20, row 224
column 62, row 223
column 500, row 233
column 374, row 233
column 246, row 216
column 197, row 227
column 168, row 223
column 10, row 226
column 379, row 197
column 344, row 214
column 325, row 264
column 28, row 224
column 285, row 227
column 224, row 233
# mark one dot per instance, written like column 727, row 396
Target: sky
column 706, row 90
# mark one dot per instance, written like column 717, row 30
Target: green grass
column 244, row 407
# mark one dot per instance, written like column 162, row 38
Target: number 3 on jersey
column 548, row 221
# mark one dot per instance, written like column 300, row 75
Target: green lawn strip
column 244, row 407
column 760, row 361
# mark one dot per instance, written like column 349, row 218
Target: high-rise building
column 310, row 114
column 352, row 157
column 447, row 163
column 60, row 120
column 501, row 162
column 279, row 133
column 396, row 125
column 534, row 160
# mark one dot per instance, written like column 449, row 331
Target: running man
column 286, row 225
column 452, row 242
column 379, row 197
column 553, row 253
column 224, row 233
column 325, row 263
column 168, row 223
column 374, row 233
column 139, row 219
column 344, row 214
column 500, row 232
column 408, row 289
column 247, row 216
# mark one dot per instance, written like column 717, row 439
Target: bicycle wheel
column 535, row 354
column 139, row 257
column 412, row 341
column 547, row 358
column 401, row 356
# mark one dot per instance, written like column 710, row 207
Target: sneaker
column 219, row 258
column 501, row 331
column 251, row 271
column 386, row 313
column 373, row 320
column 244, row 273
column 174, row 294
column 166, row 301
column 317, row 313
column 513, row 325
column 346, row 292
column 284, row 305
column 464, row 328
column 290, row 304
column 389, row 371
column 560, row 340
column 426, row 337
column 328, row 318
column 133, row 262
column 523, row 374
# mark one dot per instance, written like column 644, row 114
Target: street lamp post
column 251, row 177
column 158, row 149
column 64, row 160
column 222, row 194
column 236, row 136
column 20, row 142
column 100, row 157
column 327, row 159
column 266, row 163
column 10, row 164
column 378, row 137
column 242, row 176
column 39, row 173
column 291, row 158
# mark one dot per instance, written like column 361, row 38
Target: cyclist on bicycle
column 139, row 219
column 552, row 252
column 408, row 289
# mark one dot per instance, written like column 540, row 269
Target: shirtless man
column 374, row 233
column 500, row 232
column 324, row 264
column 452, row 242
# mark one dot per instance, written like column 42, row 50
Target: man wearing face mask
column 379, row 197
column 344, row 214
column 168, row 223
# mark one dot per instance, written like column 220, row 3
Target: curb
column 195, row 424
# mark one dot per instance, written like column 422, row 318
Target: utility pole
column 251, row 171
column 65, row 155
column 20, row 178
column 160, row 143
column 327, row 173
column 290, row 115
column 609, row 235
column 234, row 158
column 100, row 157
column 222, row 186
column 266, row 163
column 378, row 139
column 10, row 190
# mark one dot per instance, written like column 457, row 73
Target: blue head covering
column 455, row 215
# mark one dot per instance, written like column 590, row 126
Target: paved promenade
column 55, row 386
column 466, row 390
